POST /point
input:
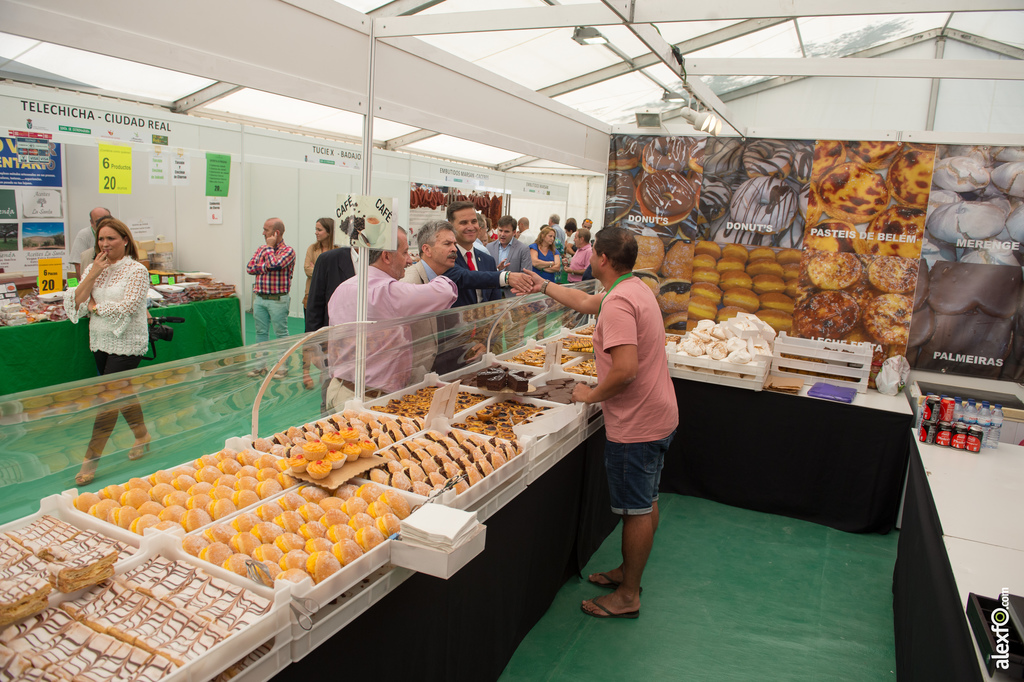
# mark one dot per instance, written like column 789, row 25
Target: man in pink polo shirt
column 639, row 404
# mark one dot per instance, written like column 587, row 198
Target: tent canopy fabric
column 734, row 65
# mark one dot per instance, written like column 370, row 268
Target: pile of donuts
column 754, row 182
column 663, row 193
column 977, row 193
column 666, row 273
column 307, row 533
column 736, row 278
column 881, row 186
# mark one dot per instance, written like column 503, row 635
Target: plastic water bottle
column 985, row 422
column 958, row 410
column 970, row 413
column 992, row 436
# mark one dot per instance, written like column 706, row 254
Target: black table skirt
column 468, row 627
column 834, row 464
column 933, row 641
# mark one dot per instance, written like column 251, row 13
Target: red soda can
column 927, row 432
column 946, row 408
column 974, row 437
column 944, row 435
column 959, row 441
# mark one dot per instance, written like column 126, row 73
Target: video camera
column 159, row 331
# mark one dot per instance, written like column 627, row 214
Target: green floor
column 729, row 594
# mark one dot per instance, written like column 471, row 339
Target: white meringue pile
column 721, row 342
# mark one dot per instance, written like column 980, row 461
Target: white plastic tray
column 60, row 507
column 752, row 375
column 274, row 625
column 349, row 606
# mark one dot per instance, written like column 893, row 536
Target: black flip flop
column 609, row 614
column 611, row 584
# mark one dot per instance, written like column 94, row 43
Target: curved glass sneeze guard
column 191, row 406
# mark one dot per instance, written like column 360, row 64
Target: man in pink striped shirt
column 388, row 346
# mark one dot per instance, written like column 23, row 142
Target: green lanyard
column 614, row 284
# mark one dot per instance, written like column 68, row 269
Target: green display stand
column 51, row 353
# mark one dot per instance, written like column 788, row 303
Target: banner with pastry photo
column 855, row 297
column 968, row 319
column 731, row 278
column 653, row 190
column 654, row 185
column 976, row 206
column 868, row 197
column 753, row 191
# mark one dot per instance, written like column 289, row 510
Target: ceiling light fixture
column 669, row 96
column 648, row 119
column 588, row 35
column 704, row 121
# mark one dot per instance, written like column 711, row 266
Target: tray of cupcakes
column 190, row 496
column 157, row 617
column 322, row 542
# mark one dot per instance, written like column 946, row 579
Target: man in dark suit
column 509, row 252
column 447, row 343
column 463, row 218
column 332, row 268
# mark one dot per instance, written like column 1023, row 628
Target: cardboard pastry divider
column 340, row 476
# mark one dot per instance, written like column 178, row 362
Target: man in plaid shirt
column 273, row 265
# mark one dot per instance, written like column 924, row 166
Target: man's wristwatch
column 544, row 287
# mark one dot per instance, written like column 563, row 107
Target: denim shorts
column 634, row 472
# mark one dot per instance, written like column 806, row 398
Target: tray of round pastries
column 322, row 542
column 469, row 463
column 158, row 617
column 585, row 367
column 417, row 402
column 190, row 496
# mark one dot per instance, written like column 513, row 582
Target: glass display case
column 191, row 406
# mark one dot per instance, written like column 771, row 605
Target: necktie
column 469, row 260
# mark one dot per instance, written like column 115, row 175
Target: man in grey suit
column 508, row 252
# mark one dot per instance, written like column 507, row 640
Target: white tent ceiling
column 729, row 54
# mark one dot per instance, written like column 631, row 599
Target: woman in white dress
column 112, row 294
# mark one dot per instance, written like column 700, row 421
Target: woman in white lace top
column 112, row 294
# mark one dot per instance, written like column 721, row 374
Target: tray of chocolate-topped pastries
column 158, row 617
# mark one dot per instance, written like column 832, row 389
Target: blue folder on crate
column 843, row 394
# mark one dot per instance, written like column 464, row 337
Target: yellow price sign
column 51, row 275
column 115, row 169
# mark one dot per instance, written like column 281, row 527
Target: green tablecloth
column 50, row 353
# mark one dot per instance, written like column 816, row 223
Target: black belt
column 370, row 392
column 271, row 297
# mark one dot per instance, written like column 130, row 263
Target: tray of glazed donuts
column 322, row 542
column 470, row 464
column 158, row 618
